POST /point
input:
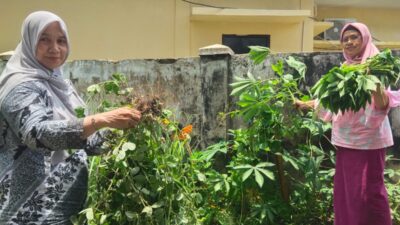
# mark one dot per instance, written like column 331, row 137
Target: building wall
column 287, row 38
column 100, row 29
column 129, row 29
column 383, row 23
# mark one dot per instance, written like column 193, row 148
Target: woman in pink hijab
column 361, row 139
column 357, row 43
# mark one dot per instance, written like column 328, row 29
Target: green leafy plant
column 392, row 182
column 258, row 170
column 275, row 173
column 146, row 177
column 350, row 87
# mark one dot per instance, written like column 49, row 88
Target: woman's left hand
column 304, row 105
column 381, row 100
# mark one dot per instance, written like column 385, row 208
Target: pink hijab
column 368, row 48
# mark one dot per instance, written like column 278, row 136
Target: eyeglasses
column 352, row 38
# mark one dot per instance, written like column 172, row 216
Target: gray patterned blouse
column 33, row 191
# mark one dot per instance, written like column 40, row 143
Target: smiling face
column 52, row 47
column 352, row 43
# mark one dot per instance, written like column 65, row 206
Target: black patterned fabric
column 32, row 190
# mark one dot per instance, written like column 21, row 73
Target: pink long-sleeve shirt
column 366, row 129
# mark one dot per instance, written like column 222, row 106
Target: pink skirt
column 359, row 194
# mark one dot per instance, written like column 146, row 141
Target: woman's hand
column 120, row 118
column 304, row 105
column 381, row 100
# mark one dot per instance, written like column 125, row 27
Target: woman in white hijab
column 39, row 182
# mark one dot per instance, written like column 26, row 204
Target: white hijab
column 23, row 66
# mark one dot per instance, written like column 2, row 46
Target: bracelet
column 93, row 123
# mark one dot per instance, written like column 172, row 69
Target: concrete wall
column 197, row 89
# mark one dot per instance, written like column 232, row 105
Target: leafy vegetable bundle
column 349, row 87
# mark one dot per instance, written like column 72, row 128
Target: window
column 239, row 43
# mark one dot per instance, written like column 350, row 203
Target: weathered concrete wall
column 178, row 82
column 197, row 89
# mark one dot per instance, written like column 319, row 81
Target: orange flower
column 184, row 134
column 188, row 129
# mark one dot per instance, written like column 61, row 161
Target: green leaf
column 94, row 89
column 239, row 78
column 125, row 91
column 258, row 54
column 373, row 78
column 299, row 66
column 291, row 161
column 278, row 67
column 148, row 210
column 342, row 92
column 212, row 150
column 134, row 170
column 267, row 173
column 251, row 77
column 111, row 87
column 259, row 178
column 247, row 166
column 247, row 174
column 103, row 218
column 80, row 112
column 128, row 146
column 105, row 104
column 279, row 104
column 179, row 197
column 249, row 114
column 239, row 89
column 340, row 76
column 264, row 164
column 288, row 77
column 131, row 215
column 248, row 97
column 157, row 205
column 201, row 177
column 89, row 213
column 121, row 155
column 240, row 83
column 341, row 84
column 369, row 85
column 227, row 186
column 119, row 77
column 197, row 197
column 217, row 186
column 145, row 191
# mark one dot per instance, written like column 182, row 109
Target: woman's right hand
column 119, row 118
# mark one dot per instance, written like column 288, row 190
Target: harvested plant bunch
column 349, row 87
column 385, row 66
column 149, row 105
column 345, row 88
